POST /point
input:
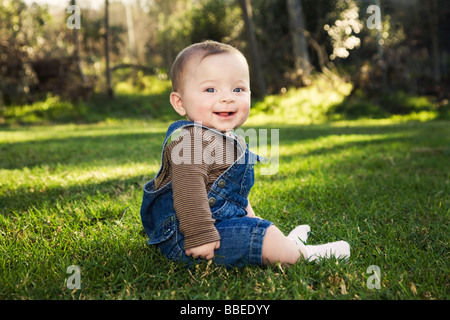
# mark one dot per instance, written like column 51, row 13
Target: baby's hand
column 205, row 251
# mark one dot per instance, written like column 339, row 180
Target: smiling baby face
column 213, row 89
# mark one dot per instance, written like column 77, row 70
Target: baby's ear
column 177, row 103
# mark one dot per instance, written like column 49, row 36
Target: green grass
column 70, row 195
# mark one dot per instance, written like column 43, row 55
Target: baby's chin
column 222, row 126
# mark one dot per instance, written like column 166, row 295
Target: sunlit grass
column 70, row 195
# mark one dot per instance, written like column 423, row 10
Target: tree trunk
column 109, row 90
column 433, row 20
column 299, row 42
column 255, row 59
column 77, row 49
column 130, row 27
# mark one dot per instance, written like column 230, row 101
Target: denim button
column 212, row 201
column 222, row 183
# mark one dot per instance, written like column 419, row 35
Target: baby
column 197, row 205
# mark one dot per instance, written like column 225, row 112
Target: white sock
column 300, row 234
column 338, row 249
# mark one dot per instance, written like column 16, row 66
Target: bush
column 310, row 104
column 359, row 105
column 51, row 110
column 135, row 98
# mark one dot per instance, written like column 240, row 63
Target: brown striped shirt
column 192, row 176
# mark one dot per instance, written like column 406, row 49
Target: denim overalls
column 241, row 236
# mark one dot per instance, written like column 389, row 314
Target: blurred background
column 112, row 58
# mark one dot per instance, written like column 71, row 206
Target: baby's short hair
column 205, row 49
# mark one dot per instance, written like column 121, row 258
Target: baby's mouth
column 224, row 114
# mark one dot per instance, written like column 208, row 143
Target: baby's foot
column 338, row 249
column 299, row 234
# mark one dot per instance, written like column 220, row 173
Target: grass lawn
column 70, row 195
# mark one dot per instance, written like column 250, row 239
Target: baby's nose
column 227, row 98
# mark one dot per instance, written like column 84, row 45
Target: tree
column 255, row 60
column 77, row 49
column 109, row 90
column 299, row 43
column 433, row 21
column 130, row 27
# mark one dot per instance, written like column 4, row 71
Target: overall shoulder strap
column 172, row 128
column 175, row 126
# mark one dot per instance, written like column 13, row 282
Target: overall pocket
column 157, row 213
column 163, row 231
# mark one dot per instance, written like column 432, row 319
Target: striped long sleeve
column 193, row 162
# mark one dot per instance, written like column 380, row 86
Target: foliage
column 26, row 25
column 142, row 96
column 307, row 105
column 174, row 28
column 272, row 33
column 329, row 99
column 222, row 21
column 345, row 28
column 384, row 68
column 184, row 22
column 21, row 29
column 385, row 105
column 136, row 97
column 17, row 75
column 50, row 110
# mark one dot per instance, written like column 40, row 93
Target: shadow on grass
column 354, row 137
column 121, row 148
column 67, row 198
column 73, row 157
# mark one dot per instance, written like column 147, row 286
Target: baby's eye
column 238, row 90
column 210, row 90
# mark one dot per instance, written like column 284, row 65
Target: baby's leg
column 278, row 248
